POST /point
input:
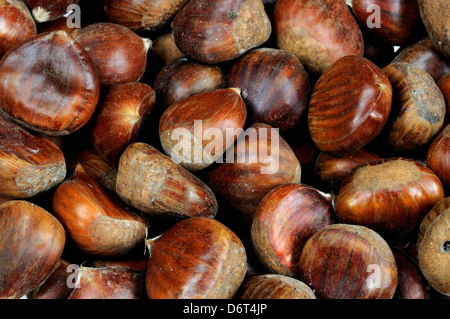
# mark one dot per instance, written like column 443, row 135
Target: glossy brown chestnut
column 260, row 161
column 122, row 113
column 434, row 14
column 155, row 184
column 95, row 218
column 397, row 19
column 418, row 108
column 31, row 245
column 424, row 55
column 344, row 261
column 49, row 84
column 444, row 86
column 109, row 283
column 438, row 156
column 197, row 258
column 17, row 24
column 274, row 85
column 195, row 131
column 285, row 219
column 165, row 49
column 119, row 54
column 274, row 286
column 218, row 31
column 47, row 10
column 434, row 252
column 391, row 195
column 317, row 32
column 142, row 15
column 349, row 105
column 30, row 164
column 184, row 77
column 411, row 282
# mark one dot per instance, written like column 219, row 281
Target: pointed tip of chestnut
column 147, row 43
column 40, row 14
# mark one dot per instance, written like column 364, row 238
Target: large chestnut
column 343, row 261
column 438, row 156
column 285, row 219
column 31, row 244
column 349, row 105
column 213, row 32
column 49, row 84
column 197, row 258
column 434, row 14
column 48, row 10
column 390, row 195
column 317, row 32
column 274, row 85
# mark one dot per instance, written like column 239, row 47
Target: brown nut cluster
column 224, row 149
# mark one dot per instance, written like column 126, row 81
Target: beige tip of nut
column 40, row 14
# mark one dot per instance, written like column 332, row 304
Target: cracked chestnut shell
column 49, row 84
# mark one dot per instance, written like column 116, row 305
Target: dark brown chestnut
column 119, row 54
column 317, row 32
column 49, row 84
column 434, row 14
column 349, row 105
column 285, row 219
column 31, row 245
column 47, row 10
column 197, row 258
column 344, row 261
column 164, row 48
column 274, row 85
column 438, row 156
column 444, row 86
column 213, row 32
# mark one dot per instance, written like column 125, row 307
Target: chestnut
column 349, row 105
column 213, row 32
column 164, row 48
column 31, row 245
column 96, row 219
column 185, row 128
column 47, row 10
column 391, row 195
column 17, row 24
column 142, row 15
column 108, row 283
column 30, row 164
column 122, row 113
column 438, row 156
column 440, row 206
column 119, row 54
column 153, row 183
column 259, row 161
column 285, row 219
column 343, row 261
column 418, row 108
column 274, row 286
column 196, row 258
column 434, row 14
column 138, row 263
column 317, row 32
column 274, row 85
column 184, row 77
column 49, row 84
column 444, row 86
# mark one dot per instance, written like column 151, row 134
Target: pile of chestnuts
column 224, row 149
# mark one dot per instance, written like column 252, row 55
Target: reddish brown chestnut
column 31, row 245
column 390, row 195
column 274, row 85
column 155, row 184
column 438, row 156
column 95, row 218
column 286, row 218
column 434, row 14
column 49, row 84
column 142, row 15
column 396, row 21
column 17, row 24
column 317, row 32
column 184, row 77
column 344, row 261
column 119, row 54
column 273, row 286
column 349, row 105
column 217, row 31
column 109, row 283
column 197, row 130
column 418, row 108
column 260, row 161
column 197, row 258
column 47, row 10
column 444, row 86
column 30, row 164
column 122, row 113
